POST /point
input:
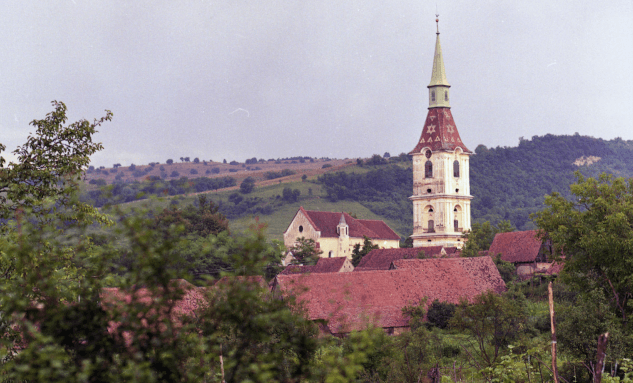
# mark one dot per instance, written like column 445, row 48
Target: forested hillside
column 508, row 183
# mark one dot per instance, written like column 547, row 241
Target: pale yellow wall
column 440, row 101
column 340, row 247
column 447, row 194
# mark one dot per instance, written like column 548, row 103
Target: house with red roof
column 524, row 249
column 323, row 265
column 381, row 259
column 345, row 302
column 336, row 233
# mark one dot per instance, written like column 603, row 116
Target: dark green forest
column 508, row 183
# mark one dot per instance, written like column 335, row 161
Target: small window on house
column 300, row 229
column 428, row 169
column 445, row 95
column 329, row 255
column 433, row 96
column 456, row 168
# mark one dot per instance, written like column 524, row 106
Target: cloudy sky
column 278, row 78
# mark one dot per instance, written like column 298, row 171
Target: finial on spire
column 437, row 20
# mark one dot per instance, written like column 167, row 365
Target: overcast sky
column 279, row 78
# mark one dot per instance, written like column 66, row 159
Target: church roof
column 440, row 132
column 326, row 222
column 324, row 265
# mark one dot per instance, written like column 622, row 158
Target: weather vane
column 437, row 19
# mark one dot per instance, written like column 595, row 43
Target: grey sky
column 277, row 78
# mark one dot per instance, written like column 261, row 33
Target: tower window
column 433, row 96
column 456, row 225
column 445, row 95
column 456, row 168
column 329, row 255
column 428, row 169
column 431, row 226
column 428, row 191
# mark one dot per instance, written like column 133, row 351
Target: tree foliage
column 480, row 237
column 49, row 166
column 358, row 252
column 594, row 231
column 305, row 251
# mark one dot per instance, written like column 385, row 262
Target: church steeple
column 441, row 186
column 438, row 88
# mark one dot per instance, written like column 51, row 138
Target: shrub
column 233, row 170
column 162, row 168
column 174, row 174
column 326, row 166
column 234, row 163
column 208, row 171
column 247, row 185
column 98, row 182
column 196, row 160
column 440, row 313
column 170, row 161
column 215, row 170
column 132, row 167
column 113, row 170
column 193, row 171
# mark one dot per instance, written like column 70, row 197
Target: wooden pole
column 602, row 347
column 553, row 324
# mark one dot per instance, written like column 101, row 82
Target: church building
column 441, row 188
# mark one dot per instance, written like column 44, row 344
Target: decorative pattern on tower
column 440, row 132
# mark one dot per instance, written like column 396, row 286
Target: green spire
column 438, row 77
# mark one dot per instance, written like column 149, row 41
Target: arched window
column 456, row 168
column 445, row 95
column 431, row 226
column 433, row 96
column 329, row 255
column 428, row 169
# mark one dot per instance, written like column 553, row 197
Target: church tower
column 441, row 187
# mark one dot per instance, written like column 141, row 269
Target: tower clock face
column 428, row 154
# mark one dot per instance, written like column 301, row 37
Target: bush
column 98, row 182
column 162, row 168
column 170, row 161
column 215, row 170
column 440, row 313
column 234, row 163
column 233, row 170
column 196, row 160
column 326, row 166
column 138, row 173
column 247, row 185
column 193, row 171
column 132, row 167
column 174, row 174
column 208, row 171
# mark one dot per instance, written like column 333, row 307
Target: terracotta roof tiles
column 439, row 132
column 326, row 222
column 350, row 301
column 516, row 246
column 380, row 259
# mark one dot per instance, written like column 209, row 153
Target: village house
column 323, row 265
column 524, row 249
column 380, row 259
column 344, row 302
column 336, row 233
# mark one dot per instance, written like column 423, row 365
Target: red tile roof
column 516, row 246
column 466, row 274
column 380, row 259
column 330, row 265
column 324, row 265
column 350, row 301
column 326, row 222
column 440, row 132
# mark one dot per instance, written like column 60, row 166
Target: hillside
column 508, row 183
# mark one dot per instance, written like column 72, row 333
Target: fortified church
column 441, row 187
